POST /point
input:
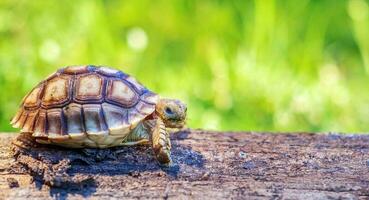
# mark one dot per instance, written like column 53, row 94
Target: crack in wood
column 208, row 165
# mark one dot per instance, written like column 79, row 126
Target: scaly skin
column 168, row 114
column 161, row 143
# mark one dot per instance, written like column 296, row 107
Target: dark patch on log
column 12, row 182
column 206, row 165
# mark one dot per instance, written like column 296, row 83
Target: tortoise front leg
column 161, row 143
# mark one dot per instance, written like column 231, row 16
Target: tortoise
column 99, row 107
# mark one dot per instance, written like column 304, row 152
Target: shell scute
column 73, row 70
column 120, row 92
column 22, row 119
column 89, row 88
column 150, row 98
column 94, row 120
column 108, row 71
column 134, row 117
column 57, row 92
column 145, row 108
column 30, row 121
column 55, row 122
column 114, row 115
column 40, row 125
column 33, row 98
column 73, row 119
column 139, row 87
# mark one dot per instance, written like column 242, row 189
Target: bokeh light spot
column 358, row 9
column 49, row 50
column 137, row 39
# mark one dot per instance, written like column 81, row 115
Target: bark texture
column 207, row 165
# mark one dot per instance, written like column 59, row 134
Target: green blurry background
column 239, row 65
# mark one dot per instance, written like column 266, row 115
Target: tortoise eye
column 168, row 111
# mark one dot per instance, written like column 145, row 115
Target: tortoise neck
column 154, row 115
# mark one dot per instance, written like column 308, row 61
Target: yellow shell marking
column 89, row 86
column 32, row 98
column 122, row 93
column 56, row 90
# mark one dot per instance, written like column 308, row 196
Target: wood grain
column 207, row 165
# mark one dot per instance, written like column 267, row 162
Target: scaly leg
column 161, row 142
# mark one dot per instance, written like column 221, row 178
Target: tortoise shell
column 82, row 102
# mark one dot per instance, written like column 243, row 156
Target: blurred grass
column 240, row 65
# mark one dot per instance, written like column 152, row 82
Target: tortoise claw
column 163, row 157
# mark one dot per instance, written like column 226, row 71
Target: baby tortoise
column 99, row 107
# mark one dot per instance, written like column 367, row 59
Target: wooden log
column 207, row 165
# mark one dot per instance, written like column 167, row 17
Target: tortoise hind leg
column 161, row 143
column 25, row 141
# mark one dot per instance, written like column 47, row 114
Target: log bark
column 207, row 165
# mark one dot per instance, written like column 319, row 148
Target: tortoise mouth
column 176, row 123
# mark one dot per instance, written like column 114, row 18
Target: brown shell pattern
column 84, row 100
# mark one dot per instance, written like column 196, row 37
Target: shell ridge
column 40, row 124
column 30, row 121
column 122, row 75
column 103, row 119
column 145, row 98
column 73, row 87
column 125, row 116
column 34, row 122
column 46, row 128
column 42, row 93
column 64, row 120
column 83, row 119
column 118, row 104
column 38, row 98
column 63, row 123
column 132, row 85
column 146, row 102
column 91, row 68
column 138, row 111
column 51, row 76
column 17, row 117
column 23, row 118
column 103, row 88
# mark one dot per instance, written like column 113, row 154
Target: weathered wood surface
column 207, row 165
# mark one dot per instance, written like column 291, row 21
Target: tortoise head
column 172, row 111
